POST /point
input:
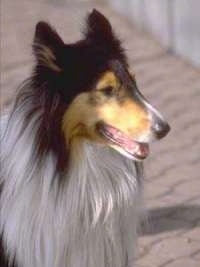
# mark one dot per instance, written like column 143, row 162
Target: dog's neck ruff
column 88, row 218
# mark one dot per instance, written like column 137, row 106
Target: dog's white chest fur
column 87, row 219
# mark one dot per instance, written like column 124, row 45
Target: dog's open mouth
column 134, row 148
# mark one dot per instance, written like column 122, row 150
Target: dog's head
column 98, row 94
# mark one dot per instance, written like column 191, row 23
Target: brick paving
column 171, row 235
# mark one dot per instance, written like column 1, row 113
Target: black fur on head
column 72, row 68
column 62, row 71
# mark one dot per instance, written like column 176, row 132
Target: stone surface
column 171, row 237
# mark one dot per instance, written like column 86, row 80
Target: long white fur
column 87, row 219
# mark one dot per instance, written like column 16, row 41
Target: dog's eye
column 108, row 91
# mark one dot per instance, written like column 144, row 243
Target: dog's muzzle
column 159, row 126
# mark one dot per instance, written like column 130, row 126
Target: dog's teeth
column 120, row 134
column 134, row 149
column 137, row 149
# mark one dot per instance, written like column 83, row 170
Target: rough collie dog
column 71, row 153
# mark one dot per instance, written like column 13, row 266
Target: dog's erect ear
column 47, row 44
column 98, row 27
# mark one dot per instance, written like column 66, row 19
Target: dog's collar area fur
column 87, row 219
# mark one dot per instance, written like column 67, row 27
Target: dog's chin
column 122, row 143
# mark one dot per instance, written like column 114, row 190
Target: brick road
column 171, row 238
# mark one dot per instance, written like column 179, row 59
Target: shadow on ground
column 171, row 218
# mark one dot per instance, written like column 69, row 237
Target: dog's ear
column 98, row 28
column 46, row 46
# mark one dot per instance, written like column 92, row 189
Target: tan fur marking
column 108, row 79
column 46, row 57
column 80, row 118
column 129, row 117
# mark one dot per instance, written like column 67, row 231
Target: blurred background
column 162, row 40
column 176, row 23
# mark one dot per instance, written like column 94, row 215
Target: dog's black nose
column 161, row 129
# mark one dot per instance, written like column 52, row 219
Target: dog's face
column 103, row 103
column 116, row 114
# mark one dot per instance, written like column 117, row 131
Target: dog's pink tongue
column 131, row 146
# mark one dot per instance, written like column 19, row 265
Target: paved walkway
column 172, row 187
